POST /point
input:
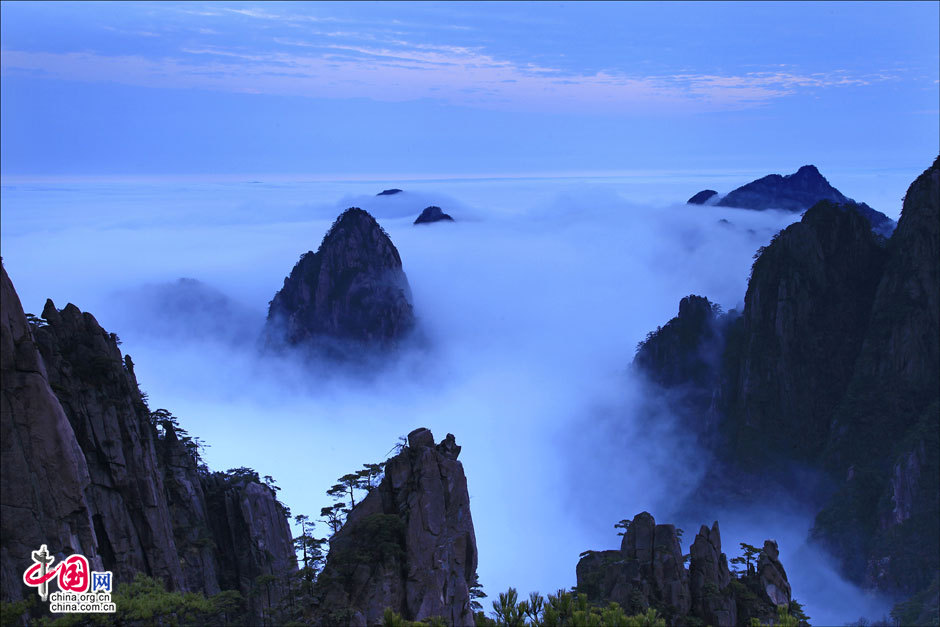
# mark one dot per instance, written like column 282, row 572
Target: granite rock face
column 86, row 470
column 805, row 315
column 253, row 538
column 433, row 214
column 649, row 571
column 43, row 474
column 409, row 545
column 353, row 289
column 189, row 514
column 99, row 393
column 885, row 442
column 709, row 579
column 773, row 578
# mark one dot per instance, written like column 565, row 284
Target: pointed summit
column 795, row 192
column 353, row 288
column 808, row 171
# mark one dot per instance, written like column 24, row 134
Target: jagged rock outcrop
column 649, row 571
column 702, row 197
column 409, row 545
column 353, row 289
column 709, row 579
column 798, row 192
column 85, row 470
column 772, row 576
column 43, row 474
column 433, row 214
column 100, row 396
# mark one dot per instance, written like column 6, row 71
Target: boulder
column 773, row 578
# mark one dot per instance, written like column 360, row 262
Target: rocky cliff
column 834, row 364
column 805, row 315
column 796, row 192
column 250, row 531
column 649, row 571
column 353, row 289
column 43, row 474
column 409, row 545
column 88, row 468
column 884, row 446
column 99, row 393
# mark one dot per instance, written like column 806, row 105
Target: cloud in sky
column 305, row 88
column 403, row 71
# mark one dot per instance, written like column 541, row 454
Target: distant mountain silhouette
column 433, row 214
column 796, row 192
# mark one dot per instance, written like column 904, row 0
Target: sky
column 145, row 142
column 384, row 90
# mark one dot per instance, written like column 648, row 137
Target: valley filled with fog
column 529, row 309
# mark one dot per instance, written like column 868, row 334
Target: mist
column 530, row 308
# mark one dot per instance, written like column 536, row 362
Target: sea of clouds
column 530, row 305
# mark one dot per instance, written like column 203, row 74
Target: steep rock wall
column 409, row 545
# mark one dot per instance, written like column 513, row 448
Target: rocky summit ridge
column 795, row 192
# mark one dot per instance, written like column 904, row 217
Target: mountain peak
column 352, row 288
column 807, row 171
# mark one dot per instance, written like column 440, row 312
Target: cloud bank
column 531, row 315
